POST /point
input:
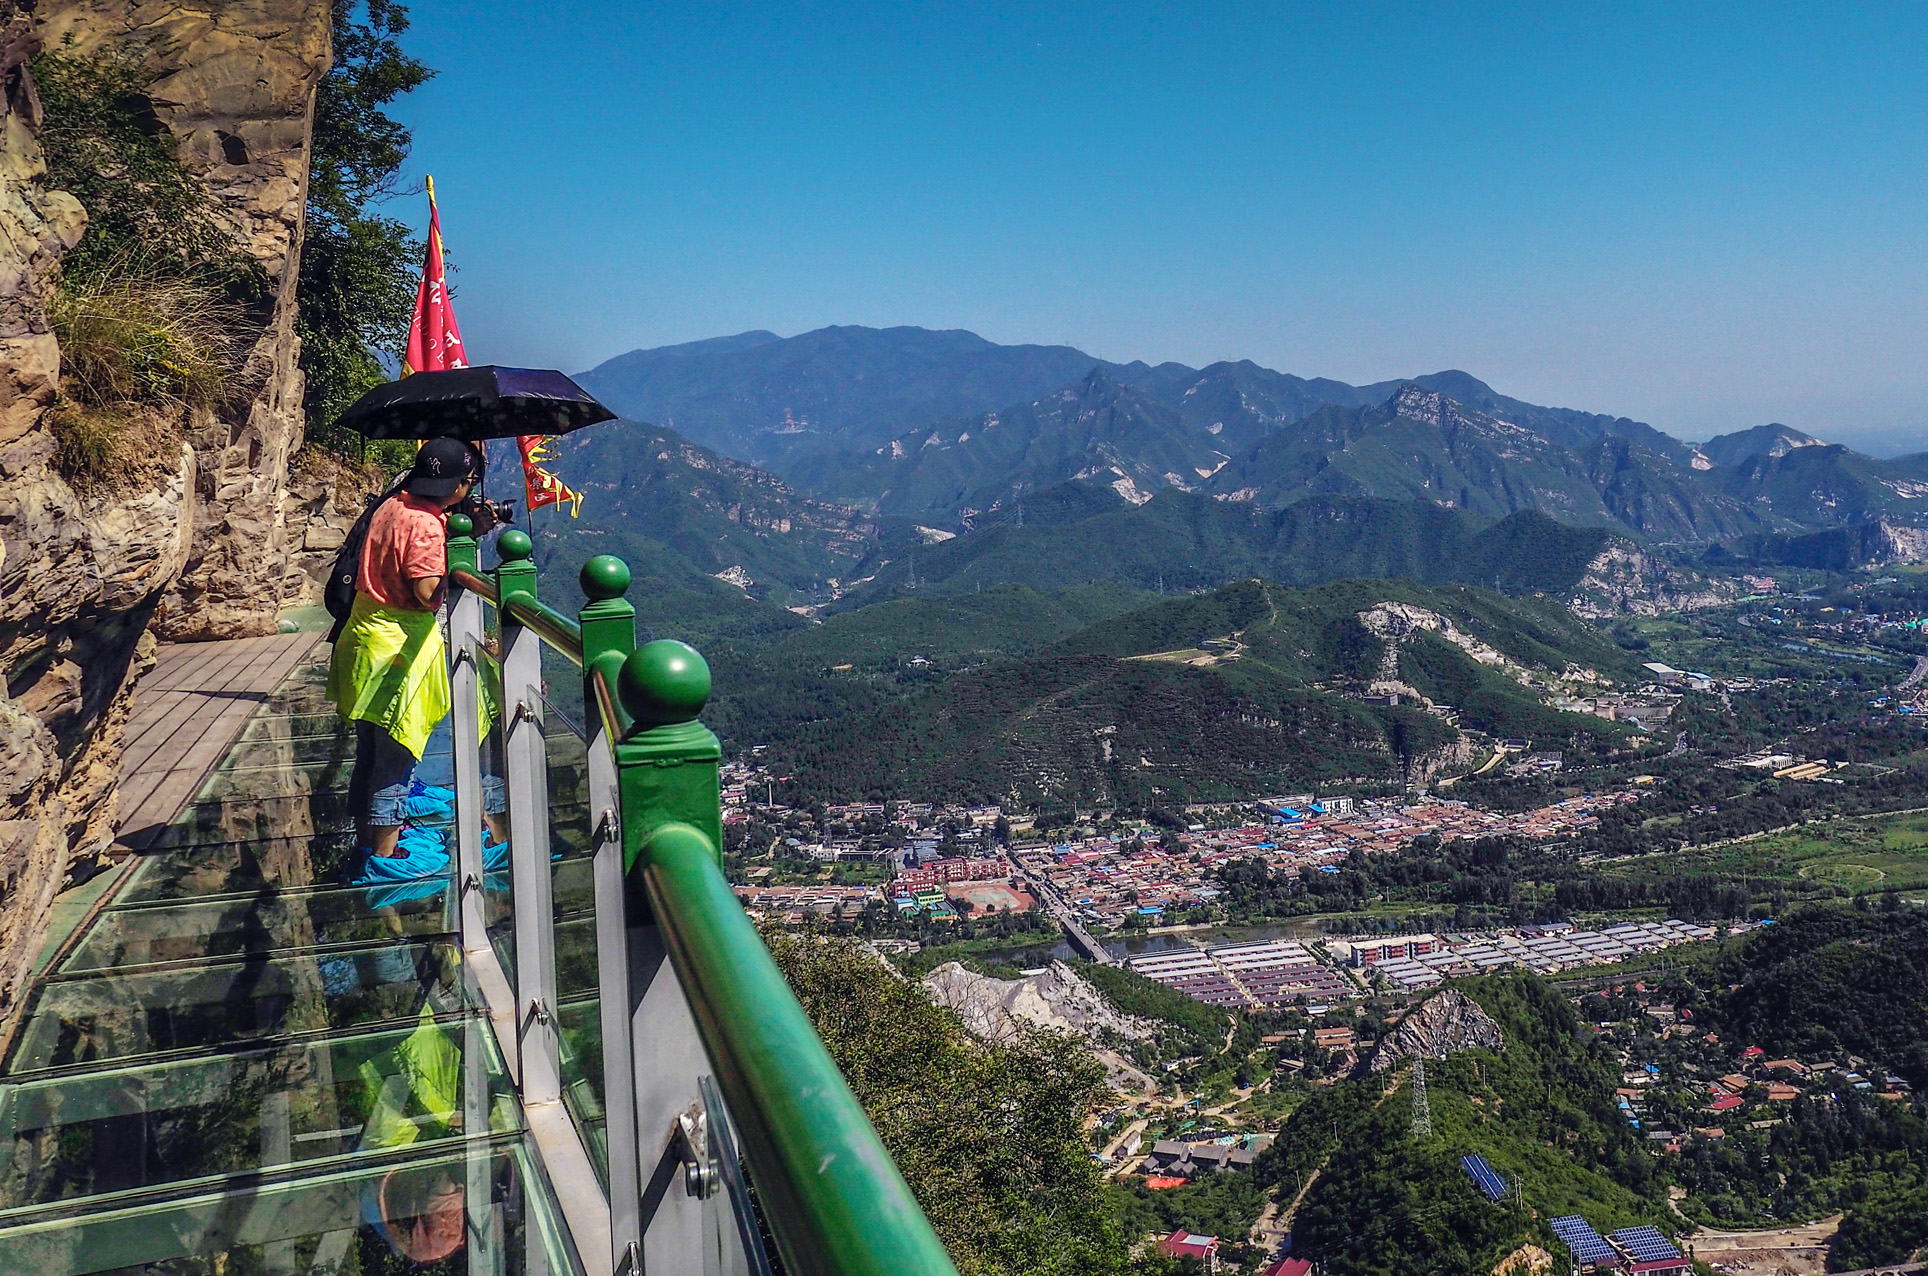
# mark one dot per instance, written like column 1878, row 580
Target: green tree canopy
column 358, row 269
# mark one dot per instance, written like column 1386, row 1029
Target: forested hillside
column 987, row 1136
column 1828, row 981
column 1078, row 534
column 1541, row 1108
column 1242, row 691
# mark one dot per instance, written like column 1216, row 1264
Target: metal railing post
column 527, row 773
column 465, row 631
column 667, row 771
column 608, row 636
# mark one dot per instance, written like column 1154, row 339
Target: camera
column 486, row 513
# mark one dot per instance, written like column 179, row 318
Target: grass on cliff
column 132, row 332
column 139, row 346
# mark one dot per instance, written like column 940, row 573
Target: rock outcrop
column 1449, row 1021
column 191, row 543
column 1058, row 999
column 1624, row 580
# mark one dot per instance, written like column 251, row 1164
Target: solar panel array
column 1483, row 1176
column 1646, row 1244
column 1582, row 1241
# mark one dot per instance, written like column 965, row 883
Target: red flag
column 435, row 345
column 434, row 340
column 544, row 488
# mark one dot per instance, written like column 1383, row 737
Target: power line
column 1422, row 1111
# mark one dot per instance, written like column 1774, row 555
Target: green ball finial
column 665, row 682
column 514, row 546
column 604, row 577
column 461, row 525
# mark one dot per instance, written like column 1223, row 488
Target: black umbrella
column 474, row 403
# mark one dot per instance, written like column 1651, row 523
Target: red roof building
column 1183, row 1244
column 1288, row 1267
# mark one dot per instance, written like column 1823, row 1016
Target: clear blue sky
column 1706, row 219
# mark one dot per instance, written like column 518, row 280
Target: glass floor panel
column 250, row 819
column 224, row 928
column 112, row 1016
column 227, row 868
column 283, row 726
column 159, row 1123
column 242, row 1067
column 306, row 752
column 482, row 1206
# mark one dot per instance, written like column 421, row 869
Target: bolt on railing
column 702, row 1040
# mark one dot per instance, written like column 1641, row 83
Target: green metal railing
column 825, row 1186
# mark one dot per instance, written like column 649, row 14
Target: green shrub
column 105, row 146
column 154, row 304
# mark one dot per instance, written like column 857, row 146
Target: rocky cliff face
column 235, row 83
column 1447, row 1023
column 193, row 546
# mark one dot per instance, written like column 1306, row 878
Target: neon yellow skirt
column 390, row 668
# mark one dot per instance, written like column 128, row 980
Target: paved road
column 1914, row 679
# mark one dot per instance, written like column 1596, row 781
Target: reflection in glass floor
column 244, row 1065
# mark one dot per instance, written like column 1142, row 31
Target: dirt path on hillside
column 1801, row 1251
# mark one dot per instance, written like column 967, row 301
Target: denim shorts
column 394, row 781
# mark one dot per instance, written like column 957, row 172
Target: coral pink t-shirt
column 407, row 540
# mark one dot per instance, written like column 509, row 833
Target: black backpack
column 338, row 596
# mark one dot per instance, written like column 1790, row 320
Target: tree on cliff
column 358, row 268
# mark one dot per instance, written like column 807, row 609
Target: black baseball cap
column 442, row 466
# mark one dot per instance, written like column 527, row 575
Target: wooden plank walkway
column 187, row 711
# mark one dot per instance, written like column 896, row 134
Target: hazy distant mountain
column 1061, row 469
column 680, row 512
column 1098, row 429
column 1240, row 403
column 766, row 398
column 1827, row 485
column 1762, row 440
column 1565, row 426
column 770, row 399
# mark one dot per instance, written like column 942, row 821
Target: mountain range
column 945, row 428
column 843, row 467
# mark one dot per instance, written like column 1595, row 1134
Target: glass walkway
column 544, row 1039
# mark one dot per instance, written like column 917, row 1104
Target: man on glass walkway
column 389, row 675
